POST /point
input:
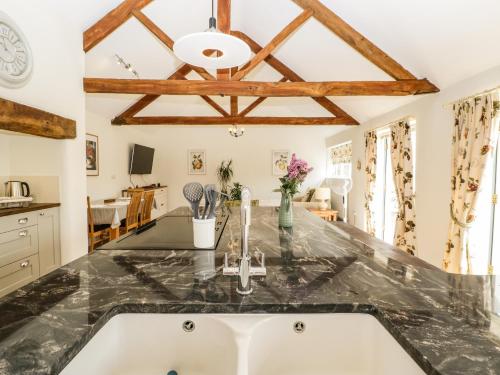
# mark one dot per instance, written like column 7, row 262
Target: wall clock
column 16, row 58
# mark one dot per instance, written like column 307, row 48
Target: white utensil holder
column 204, row 233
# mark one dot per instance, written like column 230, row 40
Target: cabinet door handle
column 25, row 264
column 23, row 233
column 24, row 220
column 42, row 213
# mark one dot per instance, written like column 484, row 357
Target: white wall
column 56, row 86
column 433, row 161
column 4, row 156
column 251, row 155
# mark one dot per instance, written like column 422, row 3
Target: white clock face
column 15, row 54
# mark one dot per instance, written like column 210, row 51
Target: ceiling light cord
column 212, row 23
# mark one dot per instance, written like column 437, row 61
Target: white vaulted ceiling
column 442, row 40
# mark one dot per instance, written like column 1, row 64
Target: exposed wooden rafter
column 207, row 120
column 272, row 45
column 292, row 76
column 110, row 22
column 230, row 82
column 357, row 41
column 251, row 88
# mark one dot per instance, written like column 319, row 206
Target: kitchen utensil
column 213, row 201
column 17, row 189
column 207, row 203
column 208, row 200
column 193, row 192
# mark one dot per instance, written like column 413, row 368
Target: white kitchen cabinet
column 29, row 247
column 49, row 246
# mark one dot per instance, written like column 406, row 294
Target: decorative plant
column 225, row 174
column 235, row 193
column 297, row 172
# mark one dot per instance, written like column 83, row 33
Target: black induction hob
column 166, row 233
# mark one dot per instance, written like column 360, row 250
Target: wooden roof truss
column 229, row 82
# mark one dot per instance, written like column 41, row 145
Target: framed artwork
column 281, row 159
column 197, row 162
column 92, row 154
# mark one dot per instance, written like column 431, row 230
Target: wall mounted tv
column 141, row 159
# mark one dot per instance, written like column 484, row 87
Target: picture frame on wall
column 197, row 162
column 280, row 161
column 92, row 154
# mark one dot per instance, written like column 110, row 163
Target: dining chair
column 132, row 219
column 147, row 207
column 97, row 234
column 130, row 192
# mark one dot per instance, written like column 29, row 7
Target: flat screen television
column 141, row 160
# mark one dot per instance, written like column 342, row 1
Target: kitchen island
column 447, row 323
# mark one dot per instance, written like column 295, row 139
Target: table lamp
column 323, row 195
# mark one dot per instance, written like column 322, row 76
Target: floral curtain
column 341, row 154
column 472, row 144
column 402, row 169
column 371, row 176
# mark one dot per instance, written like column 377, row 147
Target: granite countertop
column 447, row 323
column 30, row 208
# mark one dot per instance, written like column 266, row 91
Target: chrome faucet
column 245, row 270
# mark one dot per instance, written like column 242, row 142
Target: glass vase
column 285, row 212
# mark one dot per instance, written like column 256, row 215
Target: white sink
column 330, row 344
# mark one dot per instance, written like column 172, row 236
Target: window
column 386, row 202
column 484, row 235
column 340, row 161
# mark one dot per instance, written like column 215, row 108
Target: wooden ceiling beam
column 110, row 22
column 146, row 100
column 291, row 75
column 256, row 103
column 273, row 44
column 357, row 41
column 208, row 120
column 21, row 118
column 249, row 88
column 224, row 26
column 166, row 40
column 234, row 106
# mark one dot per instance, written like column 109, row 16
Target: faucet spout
column 245, row 270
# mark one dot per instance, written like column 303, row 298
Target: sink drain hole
column 299, row 327
column 188, row 326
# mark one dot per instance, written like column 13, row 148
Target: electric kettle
column 17, row 189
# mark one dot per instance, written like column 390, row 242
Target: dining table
column 113, row 213
column 110, row 214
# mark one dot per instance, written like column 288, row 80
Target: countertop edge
column 32, row 207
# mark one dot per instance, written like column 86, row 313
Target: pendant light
column 236, row 132
column 212, row 49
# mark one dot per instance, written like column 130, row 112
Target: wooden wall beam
column 291, row 75
column 249, row 88
column 202, row 120
column 224, row 26
column 273, row 44
column 110, row 22
column 21, row 118
column 357, row 41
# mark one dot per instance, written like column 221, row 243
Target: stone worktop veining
column 447, row 323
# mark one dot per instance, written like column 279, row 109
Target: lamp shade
column 322, row 193
column 192, row 49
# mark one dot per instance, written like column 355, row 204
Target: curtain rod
column 472, row 96
column 388, row 125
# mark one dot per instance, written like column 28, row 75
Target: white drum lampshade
column 323, row 195
column 195, row 49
